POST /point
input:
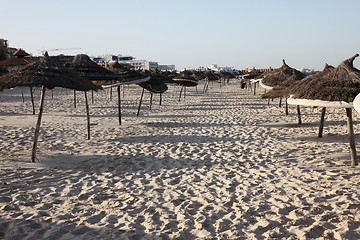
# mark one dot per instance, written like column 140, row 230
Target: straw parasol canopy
column 284, row 88
column 210, row 75
column 281, row 75
column 47, row 73
column 91, row 70
column 126, row 73
column 186, row 79
column 337, row 88
column 339, row 84
column 154, row 85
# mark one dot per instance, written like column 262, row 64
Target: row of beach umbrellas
column 83, row 74
column 332, row 87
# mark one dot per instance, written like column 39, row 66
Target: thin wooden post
column 32, row 99
column 286, row 107
column 38, row 123
column 254, row 88
column 92, row 96
column 87, row 116
column 119, row 104
column 184, row 92
column 322, row 119
column 151, row 97
column 52, row 94
column 351, row 137
column 160, row 99
column 268, row 101
column 142, row 94
column 299, row 114
column 181, row 92
column 22, row 94
column 74, row 98
column 280, row 101
column 110, row 93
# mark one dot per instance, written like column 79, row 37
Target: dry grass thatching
column 91, row 70
column 287, row 87
column 126, row 74
column 46, row 71
column 210, row 75
column 339, row 84
column 282, row 76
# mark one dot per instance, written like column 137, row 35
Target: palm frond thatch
column 45, row 71
column 281, row 75
column 339, row 84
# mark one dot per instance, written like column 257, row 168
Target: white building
column 166, row 67
column 216, row 68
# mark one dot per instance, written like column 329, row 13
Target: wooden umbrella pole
column 22, row 94
column 32, row 100
column 254, row 88
column 151, row 97
column 52, row 94
column 119, row 104
column 299, row 114
column 111, row 94
column 286, row 107
column 280, row 101
column 181, row 92
column 322, row 119
column 37, row 128
column 142, row 94
column 74, row 98
column 160, row 98
column 184, row 92
column 87, row 116
column 205, row 86
column 351, row 136
column 92, row 96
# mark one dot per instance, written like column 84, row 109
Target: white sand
column 218, row 165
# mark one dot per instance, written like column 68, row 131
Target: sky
column 190, row 33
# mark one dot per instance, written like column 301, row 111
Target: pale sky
column 190, row 33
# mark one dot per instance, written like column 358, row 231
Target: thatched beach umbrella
column 127, row 76
column 47, row 73
column 210, row 77
column 337, row 88
column 156, row 84
column 92, row 71
column 279, row 76
column 184, row 79
column 292, row 84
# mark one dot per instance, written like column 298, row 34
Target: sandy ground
column 218, row 165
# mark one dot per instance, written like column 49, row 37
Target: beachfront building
column 247, row 70
column 166, row 67
column 216, row 68
column 137, row 64
column 3, row 48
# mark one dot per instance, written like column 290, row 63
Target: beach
column 223, row 164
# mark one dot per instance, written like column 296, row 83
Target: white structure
column 216, row 68
column 137, row 64
column 167, row 67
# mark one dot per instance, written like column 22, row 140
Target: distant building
column 137, row 64
column 168, row 67
column 19, row 58
column 247, row 70
column 3, row 48
column 216, row 68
